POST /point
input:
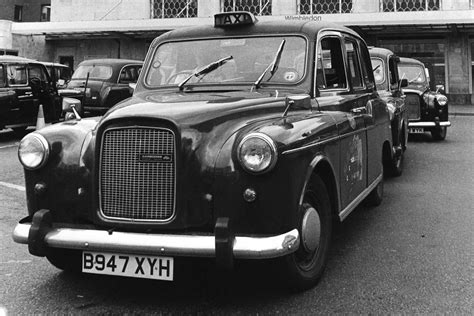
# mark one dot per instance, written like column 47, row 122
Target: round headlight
column 257, row 153
column 33, row 151
column 442, row 100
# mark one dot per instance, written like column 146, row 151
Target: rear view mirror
column 298, row 101
column 439, row 88
column 71, row 107
column 61, row 83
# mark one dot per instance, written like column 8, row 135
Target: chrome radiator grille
column 412, row 102
column 137, row 174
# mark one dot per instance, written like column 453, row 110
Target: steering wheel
column 172, row 78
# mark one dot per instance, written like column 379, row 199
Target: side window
column 36, row 71
column 330, row 72
column 16, row 74
column 2, row 77
column 353, row 60
column 129, row 74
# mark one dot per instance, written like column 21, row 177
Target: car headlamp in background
column 257, row 153
column 33, row 151
column 442, row 100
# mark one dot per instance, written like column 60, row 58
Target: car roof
column 379, row 51
column 17, row 59
column 47, row 63
column 307, row 28
column 110, row 61
column 406, row 60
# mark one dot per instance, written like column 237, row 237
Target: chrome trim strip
column 428, row 124
column 349, row 208
column 244, row 247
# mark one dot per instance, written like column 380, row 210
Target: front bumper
column 186, row 245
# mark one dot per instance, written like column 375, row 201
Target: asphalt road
column 412, row 254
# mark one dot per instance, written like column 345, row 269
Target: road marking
column 9, row 146
column 13, row 186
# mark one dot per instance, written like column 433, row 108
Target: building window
column 324, row 6
column 45, row 13
column 409, row 5
column 18, row 17
column 165, row 9
column 257, row 7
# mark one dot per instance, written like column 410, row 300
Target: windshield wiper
column 206, row 69
column 272, row 67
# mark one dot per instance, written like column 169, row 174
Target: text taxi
column 242, row 140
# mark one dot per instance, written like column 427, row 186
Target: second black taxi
column 243, row 140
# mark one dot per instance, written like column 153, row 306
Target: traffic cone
column 40, row 123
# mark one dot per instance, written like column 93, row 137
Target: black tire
column 395, row 168
column 439, row 133
column 376, row 196
column 305, row 266
column 68, row 260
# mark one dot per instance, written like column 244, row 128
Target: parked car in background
column 59, row 73
column 427, row 110
column 389, row 86
column 242, row 140
column 24, row 85
column 104, row 82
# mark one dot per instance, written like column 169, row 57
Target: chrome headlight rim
column 442, row 100
column 45, row 151
column 273, row 152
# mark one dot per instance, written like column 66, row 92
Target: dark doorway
column 68, row 61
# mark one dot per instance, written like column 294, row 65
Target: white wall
column 93, row 10
column 5, row 34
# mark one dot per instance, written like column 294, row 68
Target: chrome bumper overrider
column 429, row 124
column 162, row 244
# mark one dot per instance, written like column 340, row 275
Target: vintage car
column 24, row 85
column 59, row 73
column 241, row 141
column 427, row 110
column 105, row 82
column 389, row 86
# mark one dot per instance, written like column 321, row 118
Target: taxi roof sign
column 235, row 18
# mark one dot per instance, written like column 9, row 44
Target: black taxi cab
column 24, row 85
column 104, row 82
column 427, row 110
column 243, row 140
column 389, row 86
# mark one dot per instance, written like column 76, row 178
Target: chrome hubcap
column 311, row 229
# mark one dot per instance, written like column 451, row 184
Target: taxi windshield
column 174, row 62
column 413, row 73
column 95, row 72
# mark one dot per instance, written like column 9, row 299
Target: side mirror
column 298, row 101
column 72, row 107
column 439, row 88
column 403, row 83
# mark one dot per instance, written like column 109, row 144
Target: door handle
column 359, row 110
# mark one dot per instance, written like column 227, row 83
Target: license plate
column 416, row 130
column 135, row 266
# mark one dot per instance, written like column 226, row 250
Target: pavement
column 461, row 110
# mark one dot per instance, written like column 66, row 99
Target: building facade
column 438, row 32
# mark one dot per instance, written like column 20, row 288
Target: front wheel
column 305, row 266
column 439, row 133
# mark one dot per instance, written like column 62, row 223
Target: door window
column 353, row 61
column 330, row 66
column 16, row 74
column 129, row 74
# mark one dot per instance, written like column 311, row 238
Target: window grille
column 257, row 7
column 165, row 9
column 324, row 6
column 409, row 5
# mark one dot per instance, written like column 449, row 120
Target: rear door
column 338, row 74
column 25, row 109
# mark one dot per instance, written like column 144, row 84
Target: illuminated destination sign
column 234, row 19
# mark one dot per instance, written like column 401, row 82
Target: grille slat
column 413, row 104
column 137, row 174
